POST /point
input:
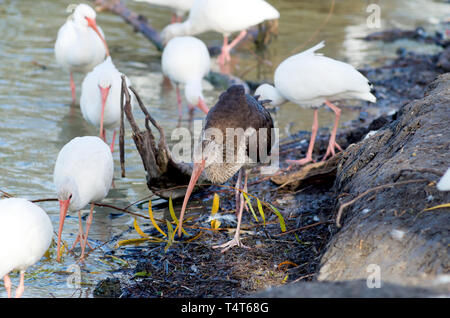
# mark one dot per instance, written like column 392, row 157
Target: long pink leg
column 8, row 285
column 113, row 141
column 308, row 157
column 72, row 88
column 21, row 288
column 88, row 226
column 221, row 58
column 226, row 48
column 236, row 241
column 237, row 193
column 80, row 236
column 180, row 110
column 80, row 232
column 332, row 143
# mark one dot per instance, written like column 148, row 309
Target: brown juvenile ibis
column 236, row 136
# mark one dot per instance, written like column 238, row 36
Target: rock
column 108, row 288
column 444, row 60
column 348, row 289
column 409, row 245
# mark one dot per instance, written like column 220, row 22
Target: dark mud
column 194, row 269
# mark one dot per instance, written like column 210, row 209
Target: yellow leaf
column 215, row 205
column 261, row 211
column 249, row 204
column 445, row 205
column 215, row 224
column 150, row 213
column 138, row 229
column 195, row 237
column 132, row 241
column 172, row 211
column 280, row 218
column 174, row 217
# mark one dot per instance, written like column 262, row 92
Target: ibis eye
column 70, row 197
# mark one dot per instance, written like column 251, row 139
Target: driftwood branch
column 163, row 174
column 138, row 21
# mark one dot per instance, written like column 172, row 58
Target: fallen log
column 162, row 172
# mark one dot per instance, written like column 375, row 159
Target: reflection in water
column 36, row 119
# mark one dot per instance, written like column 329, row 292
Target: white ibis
column 25, row 235
column 100, row 97
column 80, row 44
column 179, row 7
column 224, row 148
column 83, row 174
column 225, row 17
column 444, row 182
column 309, row 80
column 185, row 60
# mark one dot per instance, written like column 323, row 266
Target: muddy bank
column 311, row 249
column 387, row 234
column 389, row 227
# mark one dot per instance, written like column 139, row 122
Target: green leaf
column 170, row 237
column 280, row 218
column 261, row 211
column 249, row 204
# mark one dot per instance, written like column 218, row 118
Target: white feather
column 104, row 74
column 180, row 7
column 84, row 168
column 78, row 48
column 25, row 234
column 309, row 78
column 224, row 17
column 444, row 182
column 186, row 60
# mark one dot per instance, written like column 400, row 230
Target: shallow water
column 36, row 119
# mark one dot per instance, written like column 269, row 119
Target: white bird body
column 84, row 168
column 225, row 17
column 83, row 174
column 25, row 235
column 308, row 79
column 105, row 74
column 78, row 47
column 180, row 7
column 444, row 182
column 185, row 60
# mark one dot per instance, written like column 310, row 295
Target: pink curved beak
column 198, row 168
column 63, row 207
column 93, row 25
column 104, row 91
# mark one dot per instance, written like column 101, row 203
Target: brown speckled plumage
column 235, row 109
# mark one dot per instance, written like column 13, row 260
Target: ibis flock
column 83, row 170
